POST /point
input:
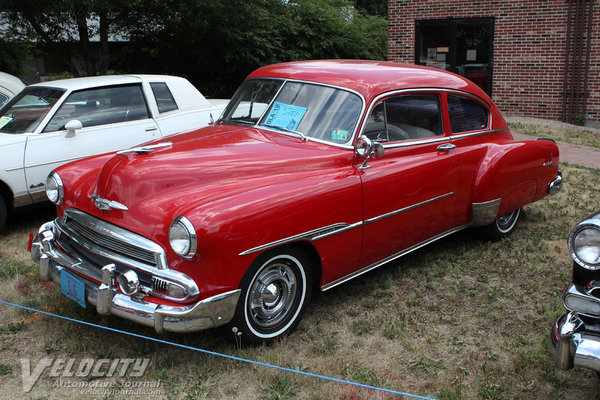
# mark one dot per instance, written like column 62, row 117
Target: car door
column 112, row 118
column 409, row 195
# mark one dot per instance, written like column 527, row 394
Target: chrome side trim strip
column 390, row 258
column 408, row 208
column 311, row 236
column 63, row 161
column 484, row 213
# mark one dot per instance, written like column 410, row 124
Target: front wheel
column 275, row 291
column 503, row 226
column 3, row 213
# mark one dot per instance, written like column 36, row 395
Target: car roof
column 186, row 95
column 11, row 83
column 369, row 78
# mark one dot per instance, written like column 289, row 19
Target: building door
column 462, row 46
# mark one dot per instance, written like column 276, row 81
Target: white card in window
column 5, row 120
column 285, row 116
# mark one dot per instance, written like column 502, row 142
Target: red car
column 316, row 173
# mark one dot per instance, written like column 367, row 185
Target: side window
column 466, row 114
column 163, row 96
column 3, row 99
column 101, row 106
column 405, row 117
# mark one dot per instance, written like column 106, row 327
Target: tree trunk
column 84, row 41
column 105, row 54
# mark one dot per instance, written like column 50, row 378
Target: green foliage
column 216, row 44
column 15, row 54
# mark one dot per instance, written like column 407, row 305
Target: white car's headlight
column 182, row 237
column 584, row 244
column 54, row 188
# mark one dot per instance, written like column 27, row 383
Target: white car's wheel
column 3, row 214
column 275, row 291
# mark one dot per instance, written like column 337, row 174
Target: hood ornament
column 146, row 149
column 107, row 205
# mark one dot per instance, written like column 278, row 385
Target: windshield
column 305, row 109
column 27, row 109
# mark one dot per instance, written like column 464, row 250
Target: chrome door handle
column 446, row 147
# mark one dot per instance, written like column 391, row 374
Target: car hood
column 198, row 170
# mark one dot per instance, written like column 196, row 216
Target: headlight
column 584, row 244
column 54, row 188
column 182, row 237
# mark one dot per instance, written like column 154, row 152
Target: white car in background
column 49, row 124
column 9, row 86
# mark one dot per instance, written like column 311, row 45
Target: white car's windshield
column 305, row 109
column 27, row 109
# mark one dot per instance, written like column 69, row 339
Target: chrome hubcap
column 506, row 221
column 272, row 294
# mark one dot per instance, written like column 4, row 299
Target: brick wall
column 529, row 49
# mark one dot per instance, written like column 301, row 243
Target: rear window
column 164, row 97
column 466, row 114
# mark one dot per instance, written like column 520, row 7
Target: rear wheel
column 503, row 226
column 275, row 291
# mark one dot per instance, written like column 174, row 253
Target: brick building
column 539, row 58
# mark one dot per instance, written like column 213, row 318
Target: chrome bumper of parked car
column 576, row 345
column 208, row 313
column 556, row 185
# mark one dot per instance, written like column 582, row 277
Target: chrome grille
column 112, row 244
column 110, row 241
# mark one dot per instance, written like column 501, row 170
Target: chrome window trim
column 348, row 146
column 478, row 133
column 407, row 208
column 311, row 236
column 443, row 136
column 377, row 264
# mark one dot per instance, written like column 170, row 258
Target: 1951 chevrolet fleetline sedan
column 317, row 172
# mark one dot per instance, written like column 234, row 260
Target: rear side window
column 101, row 106
column 163, row 96
column 405, row 117
column 466, row 114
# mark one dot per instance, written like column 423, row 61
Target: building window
column 462, row 46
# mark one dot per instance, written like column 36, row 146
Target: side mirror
column 364, row 147
column 72, row 127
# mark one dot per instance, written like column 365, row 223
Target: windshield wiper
column 302, row 135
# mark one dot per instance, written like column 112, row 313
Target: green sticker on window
column 339, row 134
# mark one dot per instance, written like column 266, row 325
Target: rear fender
column 516, row 173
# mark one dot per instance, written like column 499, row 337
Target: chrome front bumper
column 205, row 314
column 576, row 345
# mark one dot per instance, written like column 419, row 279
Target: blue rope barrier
column 327, row 378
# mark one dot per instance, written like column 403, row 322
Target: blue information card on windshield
column 285, row 116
